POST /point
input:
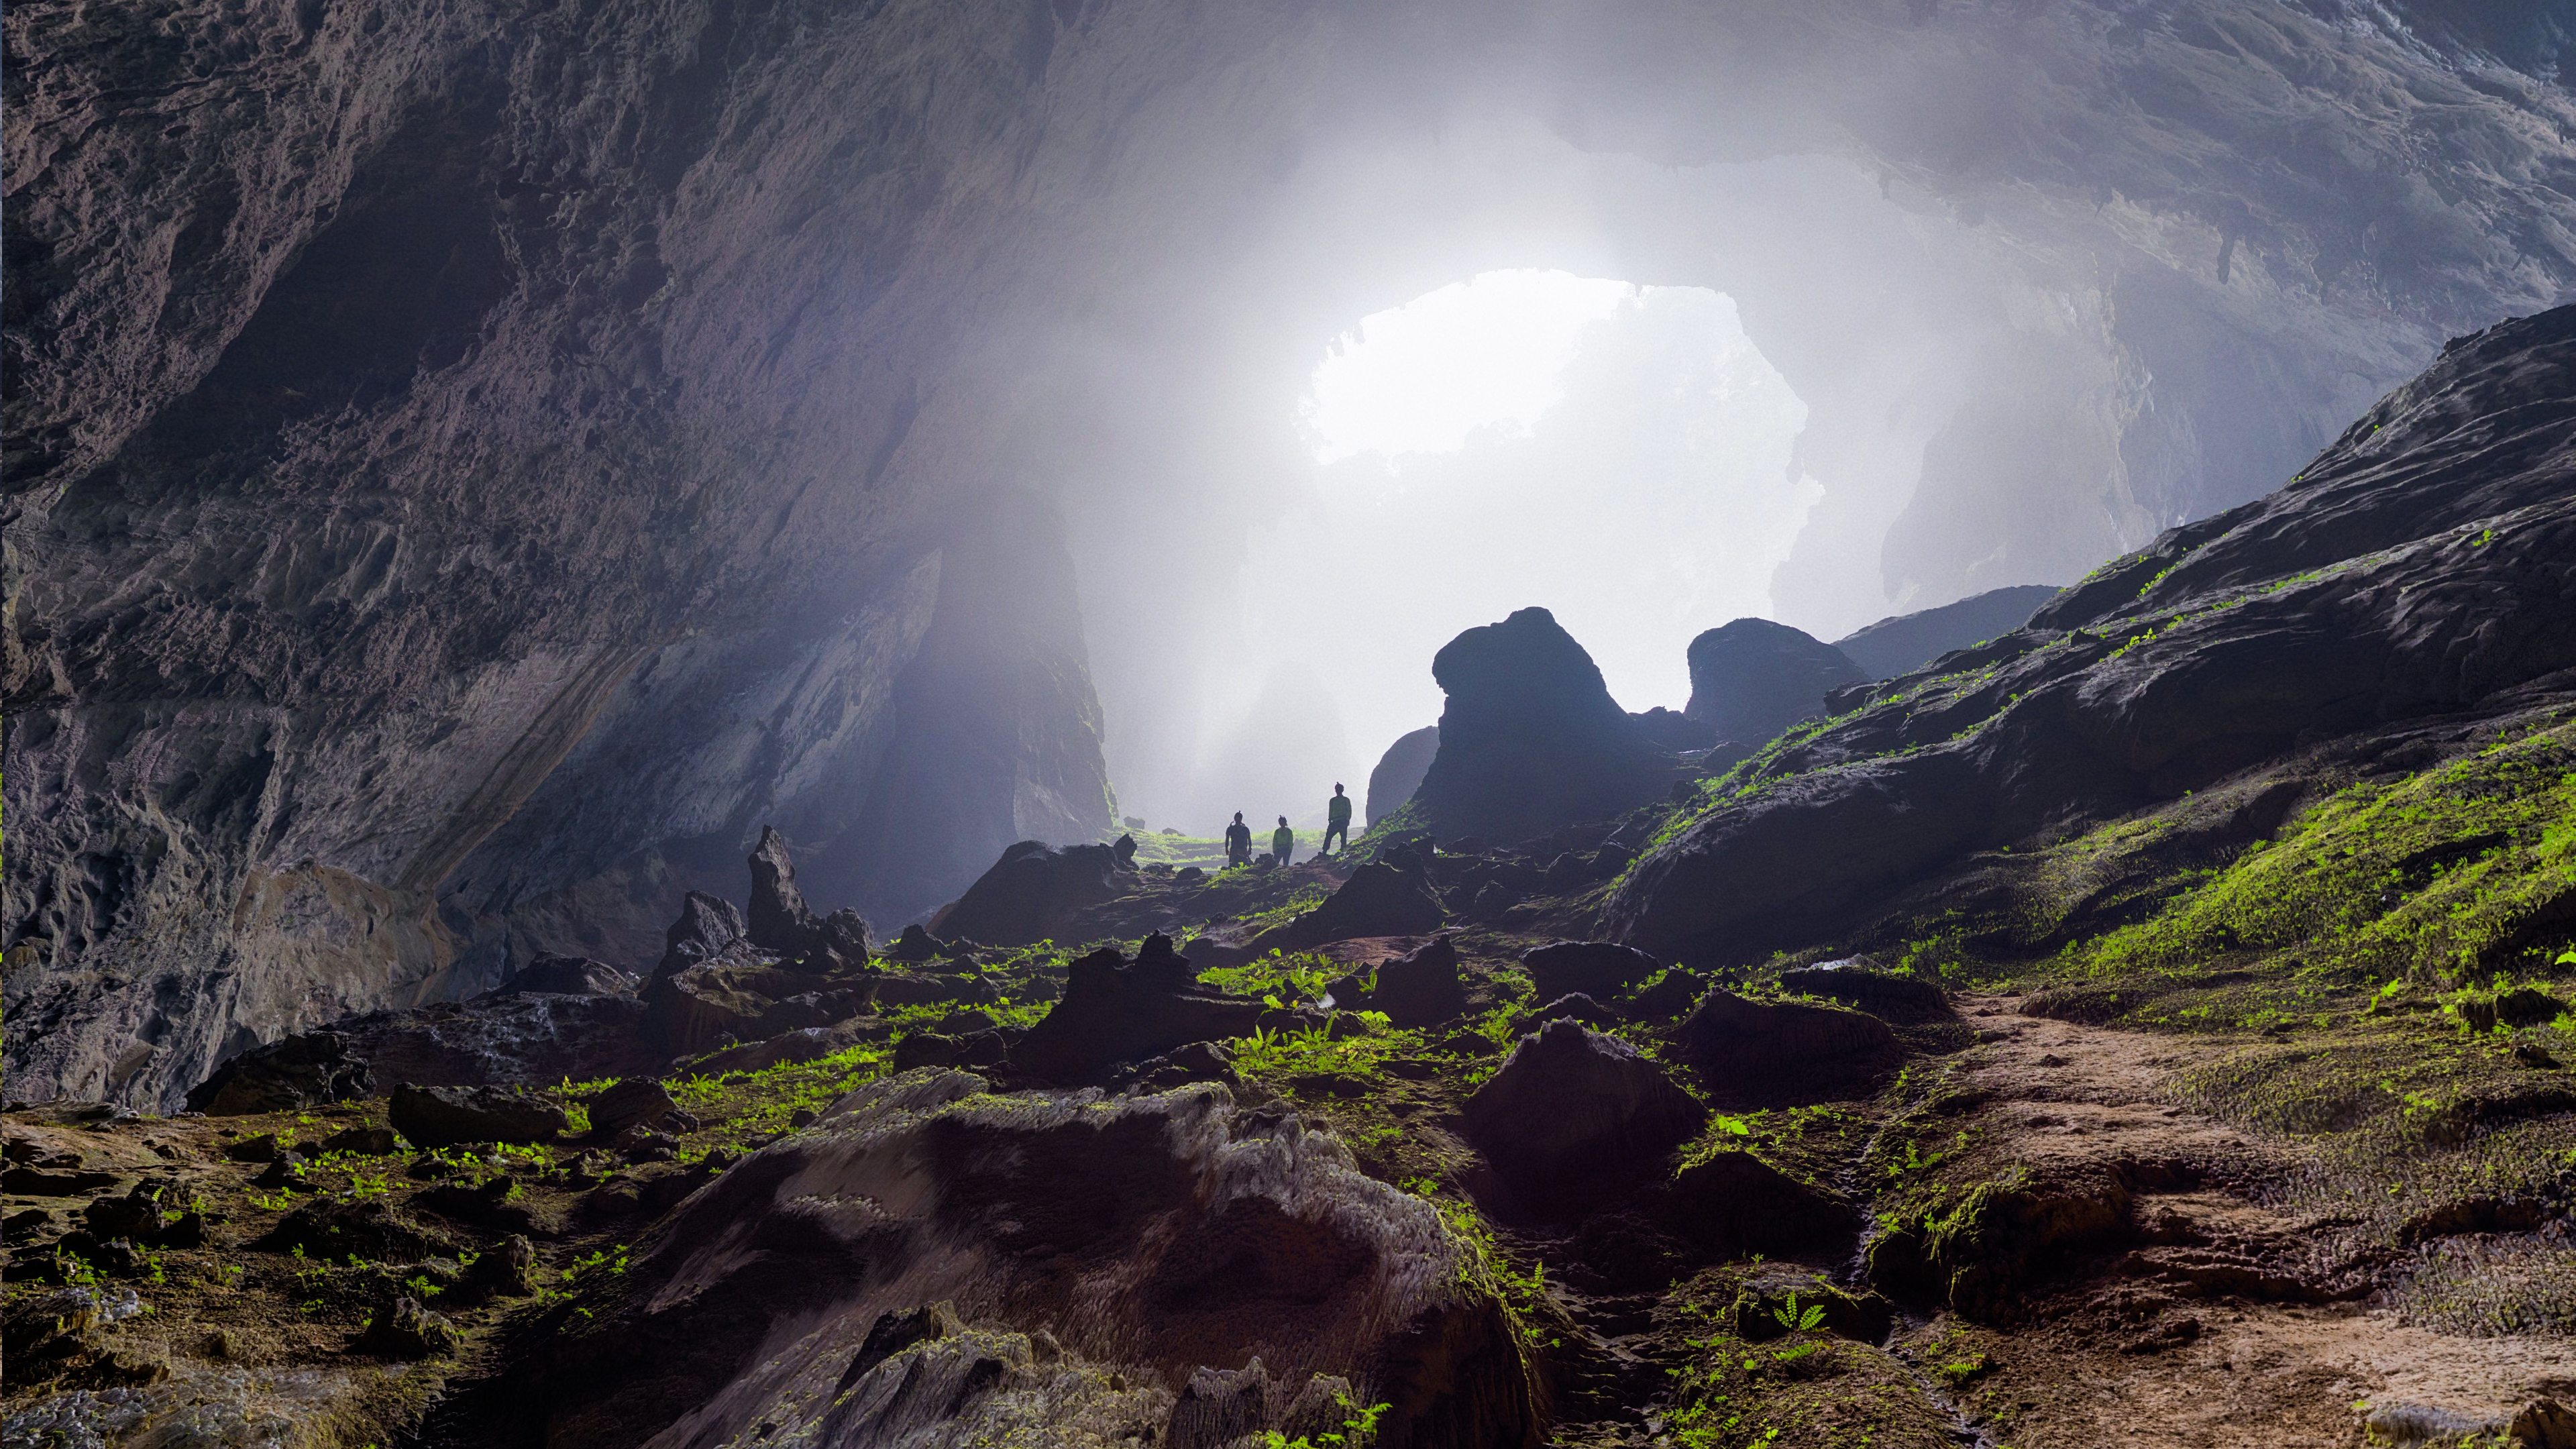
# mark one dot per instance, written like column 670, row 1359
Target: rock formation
column 1119, row 1010
column 963, row 1263
column 1399, row 771
column 1752, row 679
column 1530, row 739
column 2421, row 565
column 1031, row 893
column 1389, row 896
column 1574, row 1116
column 1903, row 643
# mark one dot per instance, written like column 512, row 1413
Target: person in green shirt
column 1337, row 820
column 1283, row 841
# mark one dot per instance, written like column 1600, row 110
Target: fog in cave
column 1620, row 455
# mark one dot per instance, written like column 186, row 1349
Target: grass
column 2427, row 878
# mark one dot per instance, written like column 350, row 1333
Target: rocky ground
column 1958, row 1211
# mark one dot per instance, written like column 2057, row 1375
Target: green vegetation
column 2427, row 879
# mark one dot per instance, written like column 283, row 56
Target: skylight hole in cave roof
column 1620, row 454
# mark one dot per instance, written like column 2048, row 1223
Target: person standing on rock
column 1283, row 842
column 1238, row 842
column 1337, row 820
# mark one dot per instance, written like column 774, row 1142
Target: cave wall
column 468, row 466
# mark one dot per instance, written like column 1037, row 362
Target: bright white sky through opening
column 1486, row 353
column 1618, row 454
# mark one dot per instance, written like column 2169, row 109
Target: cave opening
column 1621, row 453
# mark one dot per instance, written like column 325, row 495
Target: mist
column 1618, row 454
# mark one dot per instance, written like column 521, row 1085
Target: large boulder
column 1115, row 1010
column 1734, row 1203
column 1753, row 678
column 567, row 976
column 511, row 1037
column 779, row 919
column 304, row 1070
column 1390, row 896
column 1903, row 643
column 448, row 1116
column 1674, row 730
column 1573, row 1114
column 743, row 996
column 1419, row 988
column 1031, row 892
column 1598, row 969
column 707, row 926
column 2423, row 565
column 934, row 1263
column 1783, row 1050
column 1530, row 739
column 1399, row 771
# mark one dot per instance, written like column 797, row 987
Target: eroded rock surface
column 947, row 1263
column 1903, row 643
column 1530, row 739
column 2420, row 565
column 1752, row 678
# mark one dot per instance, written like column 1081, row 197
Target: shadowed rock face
column 1031, row 892
column 1399, row 771
column 467, row 469
column 1053, row 1242
column 1531, row 739
column 1753, row 678
column 2425, row 562
column 1906, row 642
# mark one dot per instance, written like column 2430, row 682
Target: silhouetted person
column 1238, row 842
column 1283, row 841
column 1337, row 820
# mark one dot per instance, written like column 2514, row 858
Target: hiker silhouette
column 1238, row 842
column 1337, row 820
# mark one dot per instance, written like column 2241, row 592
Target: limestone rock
column 1573, row 1113
column 1601, row 970
column 406, row 1330
column 1678, row 733
column 1783, row 1050
column 2423, row 563
column 1398, row 772
column 1389, row 896
column 1753, row 678
column 1530, row 738
column 1218, row 1406
column 506, row 1038
column 779, row 919
column 633, row 1101
column 1116, row 1010
column 302, row 1071
column 1031, row 893
column 446, row 1116
column 568, row 976
column 1736, row 1204
column 1904, row 643
column 1419, row 988
column 706, row 927
column 1168, row 1228
column 1883, row 994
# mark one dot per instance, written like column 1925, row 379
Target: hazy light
column 1620, row 454
column 1485, row 354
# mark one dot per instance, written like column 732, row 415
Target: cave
column 472, row 473
column 449, row 533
